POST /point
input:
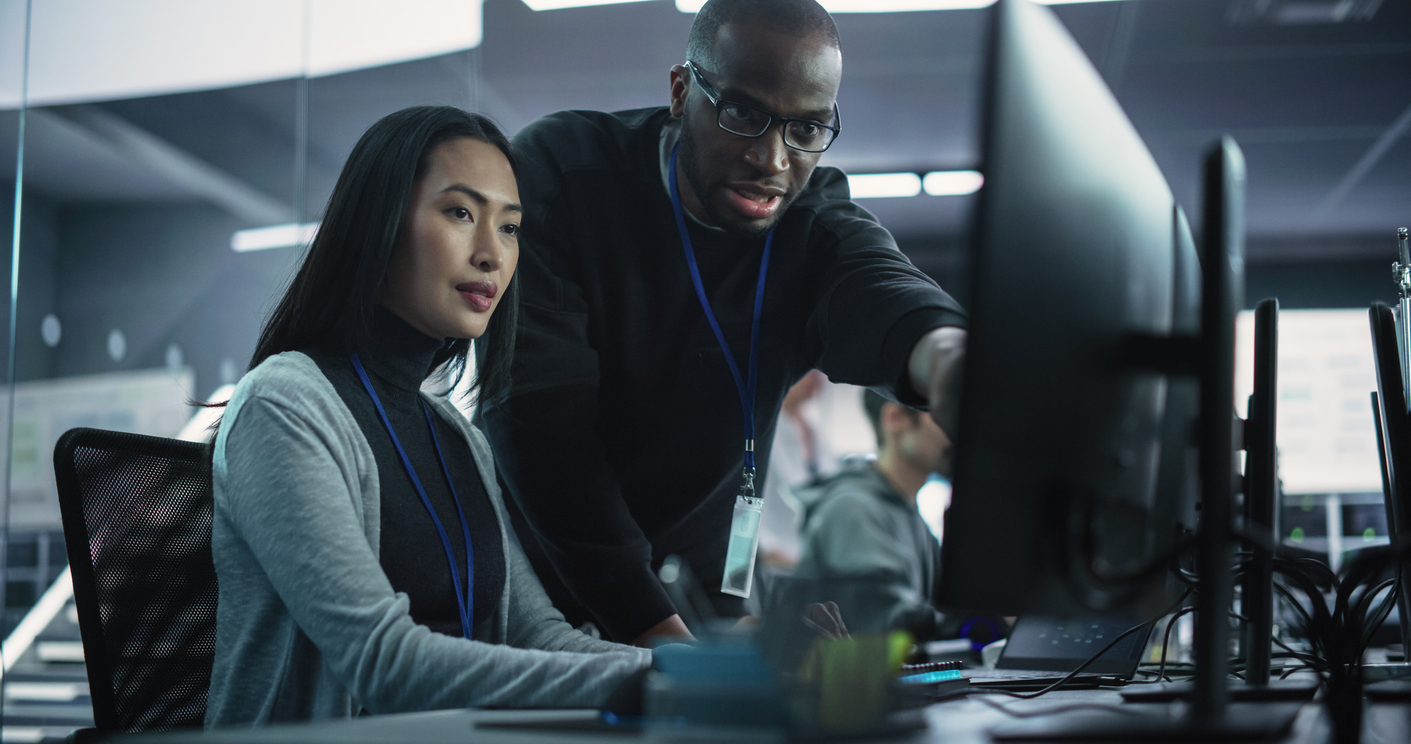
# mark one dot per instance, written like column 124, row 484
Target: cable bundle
column 1338, row 615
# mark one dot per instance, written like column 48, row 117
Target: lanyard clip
column 747, row 489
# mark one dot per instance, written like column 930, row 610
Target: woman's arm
column 290, row 490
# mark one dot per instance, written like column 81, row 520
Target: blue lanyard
column 745, row 388
column 465, row 601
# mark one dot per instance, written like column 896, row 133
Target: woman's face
column 459, row 243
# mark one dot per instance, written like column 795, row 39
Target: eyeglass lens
column 748, row 122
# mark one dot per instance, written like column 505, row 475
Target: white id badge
column 744, row 541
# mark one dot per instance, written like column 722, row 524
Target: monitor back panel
column 1073, row 254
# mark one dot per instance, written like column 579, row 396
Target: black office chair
column 137, row 522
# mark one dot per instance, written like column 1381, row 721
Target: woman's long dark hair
column 332, row 298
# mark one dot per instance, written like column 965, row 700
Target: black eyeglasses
column 736, row 118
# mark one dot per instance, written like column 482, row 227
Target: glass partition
column 13, row 30
column 177, row 157
column 18, row 559
column 157, row 154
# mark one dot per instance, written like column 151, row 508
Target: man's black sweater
column 622, row 439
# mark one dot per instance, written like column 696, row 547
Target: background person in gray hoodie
column 861, row 529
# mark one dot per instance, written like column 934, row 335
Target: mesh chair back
column 137, row 523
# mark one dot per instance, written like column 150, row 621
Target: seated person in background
column 797, row 457
column 862, row 524
column 360, row 536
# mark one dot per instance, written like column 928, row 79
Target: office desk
column 956, row 722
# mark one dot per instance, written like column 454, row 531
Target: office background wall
column 131, row 195
column 1307, row 100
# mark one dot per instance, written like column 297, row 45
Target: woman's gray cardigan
column 308, row 626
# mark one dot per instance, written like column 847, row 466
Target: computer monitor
column 1394, row 439
column 1261, row 497
column 1071, row 461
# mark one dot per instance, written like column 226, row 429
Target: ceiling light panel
column 887, row 6
column 952, row 183
column 884, row 185
column 560, row 4
column 274, row 236
column 869, row 6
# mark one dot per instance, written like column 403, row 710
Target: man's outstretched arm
column 935, row 370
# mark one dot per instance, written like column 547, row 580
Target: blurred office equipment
column 1042, row 650
column 1326, row 438
column 1393, row 425
column 149, row 401
column 1401, row 274
column 137, row 519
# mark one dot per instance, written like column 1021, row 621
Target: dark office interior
column 131, row 306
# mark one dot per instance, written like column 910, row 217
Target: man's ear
column 680, row 86
column 894, row 418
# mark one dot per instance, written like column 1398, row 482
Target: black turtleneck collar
column 398, row 358
column 398, row 353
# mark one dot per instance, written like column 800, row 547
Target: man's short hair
column 799, row 18
column 872, row 402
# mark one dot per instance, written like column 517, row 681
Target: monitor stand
column 1275, row 691
column 1261, row 500
column 1155, row 722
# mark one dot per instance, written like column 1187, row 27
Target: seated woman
column 360, row 536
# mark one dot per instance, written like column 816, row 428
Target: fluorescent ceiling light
column 274, row 236
column 883, row 6
column 884, row 185
column 952, row 183
column 556, row 4
column 869, row 6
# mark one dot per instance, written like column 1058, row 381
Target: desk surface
column 957, row 722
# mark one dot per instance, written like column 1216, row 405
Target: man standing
column 862, row 524
column 682, row 268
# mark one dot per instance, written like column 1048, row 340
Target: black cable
column 1381, row 613
column 1288, row 594
column 1309, row 658
column 1166, row 641
column 1360, row 617
column 1295, row 670
column 1292, row 654
column 1364, row 602
column 1322, row 626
